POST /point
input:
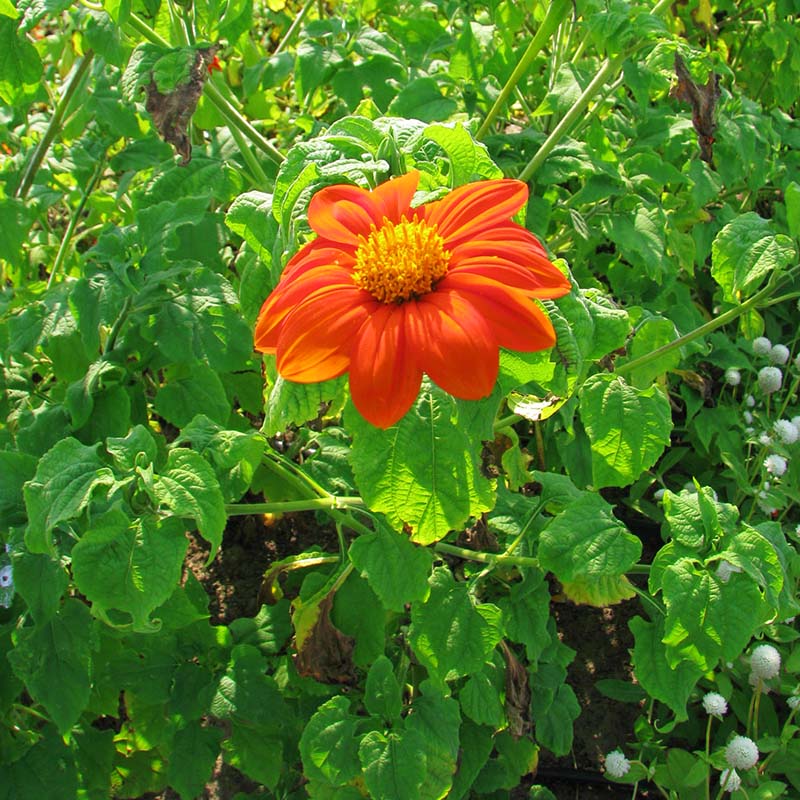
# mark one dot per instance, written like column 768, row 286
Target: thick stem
column 555, row 14
column 485, row 558
column 289, row 35
column 312, row 504
column 32, row 167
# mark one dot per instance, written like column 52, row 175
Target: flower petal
column 395, row 195
column 320, row 252
column 516, row 321
column 384, row 376
column 476, row 207
column 341, row 213
column 288, row 295
column 455, row 345
column 316, row 338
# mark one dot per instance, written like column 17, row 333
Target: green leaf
column 480, row 699
column 137, row 449
column 526, row 610
column 672, row 685
column 15, row 469
column 396, row 569
column 650, row 335
column 433, row 488
column 329, row 745
column 20, row 65
column 46, row 770
column 394, row 765
column 469, row 159
column 250, row 216
column 422, row 99
column 194, row 752
column 357, row 612
column 237, row 19
column 587, row 539
column 382, row 693
column 255, row 755
column 291, row 403
column 66, row 478
column 54, row 659
column 476, row 743
column 554, row 717
column 196, row 391
column 514, row 758
column 791, row 196
column 129, row 565
column 745, row 252
column 448, row 634
column 42, row 581
column 16, row 219
column 189, row 488
column 628, row 428
column 269, row 630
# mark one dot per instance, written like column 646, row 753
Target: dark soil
column 599, row 635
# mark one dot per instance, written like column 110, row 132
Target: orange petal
column 456, row 346
column 539, row 279
column 516, row 321
column 320, row 252
column 288, row 295
column 316, row 338
column 384, row 376
column 395, row 195
column 341, row 213
column 474, row 208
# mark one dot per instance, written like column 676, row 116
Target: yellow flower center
column 397, row 262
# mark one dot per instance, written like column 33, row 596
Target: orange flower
column 389, row 292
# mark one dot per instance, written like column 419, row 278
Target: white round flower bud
column 730, row 780
column 750, row 401
column 779, row 354
column 762, row 346
column 741, row 753
column 658, row 494
column 796, row 422
column 770, row 379
column 764, row 439
column 786, row 431
column 794, row 701
column 715, row 704
column 765, row 661
column 748, row 417
column 732, row 376
column 776, row 465
column 617, row 766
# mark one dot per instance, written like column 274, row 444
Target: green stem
column 63, row 249
column 118, row 323
column 608, row 68
column 32, row 167
column 289, row 35
column 231, row 114
column 314, row 504
column 485, row 558
column 555, row 14
column 703, row 330
column 708, row 757
column 259, row 176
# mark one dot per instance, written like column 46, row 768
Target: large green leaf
column 394, row 764
column 46, row 770
column 586, row 539
column 448, row 633
column 20, row 65
column 424, row 473
column 187, row 485
column 396, row 569
column 54, row 659
column 129, row 565
column 41, row 580
column 383, row 696
column 250, row 216
column 66, row 478
column 194, row 752
column 628, row 428
column 745, row 252
column 328, row 746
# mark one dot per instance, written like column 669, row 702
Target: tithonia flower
column 389, row 292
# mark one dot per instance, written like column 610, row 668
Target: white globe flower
column 770, row 379
column 765, row 661
column 776, row 465
column 741, row 753
column 658, row 494
column 748, row 417
column 730, row 780
column 762, row 346
column 617, row 766
column 794, row 701
column 796, row 422
column 765, row 439
column 733, row 377
column 779, row 354
column 715, row 704
column 786, row 431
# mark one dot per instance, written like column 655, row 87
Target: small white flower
column 732, row 376
column 775, row 465
column 749, row 429
column 658, row 494
column 762, row 346
column 715, row 704
column 6, row 576
column 793, row 701
column 748, row 417
column 779, row 354
column 770, row 379
column 617, row 766
column 750, row 401
column 690, row 487
column 765, row 439
column 787, row 431
column 796, row 422
column 730, row 779
column 765, row 661
column 741, row 753
column 725, row 569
